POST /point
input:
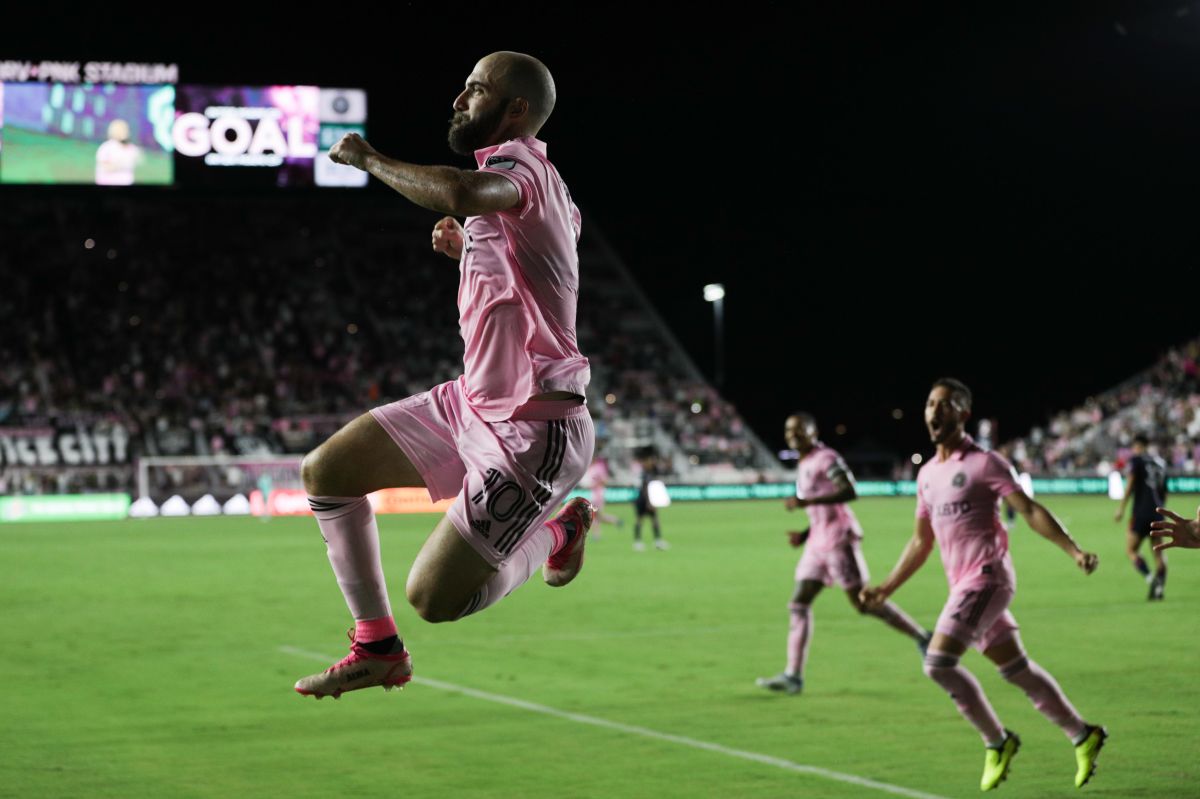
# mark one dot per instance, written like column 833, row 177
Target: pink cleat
column 562, row 567
column 359, row 669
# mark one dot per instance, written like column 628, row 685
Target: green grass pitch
column 156, row 658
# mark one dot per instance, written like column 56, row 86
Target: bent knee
column 429, row 606
column 312, row 470
column 938, row 665
column 433, row 613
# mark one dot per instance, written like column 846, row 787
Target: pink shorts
column 978, row 616
column 843, row 566
column 509, row 477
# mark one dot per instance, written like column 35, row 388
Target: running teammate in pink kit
column 511, row 437
column 597, row 481
column 958, row 494
column 833, row 555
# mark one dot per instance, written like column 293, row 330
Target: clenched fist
column 448, row 237
column 352, row 150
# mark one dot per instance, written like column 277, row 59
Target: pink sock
column 799, row 636
column 366, row 630
column 352, row 543
column 966, row 692
column 519, row 567
column 560, row 535
column 1043, row 691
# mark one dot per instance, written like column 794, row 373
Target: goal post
column 223, row 476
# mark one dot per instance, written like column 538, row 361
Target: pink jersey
column 519, row 286
column 961, row 498
column 819, row 474
column 597, row 473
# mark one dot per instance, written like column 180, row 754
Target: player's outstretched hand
column 351, row 149
column 797, row 538
column 1181, row 532
column 1087, row 561
column 1120, row 515
column 448, row 237
column 872, row 596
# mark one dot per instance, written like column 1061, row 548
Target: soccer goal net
column 214, row 480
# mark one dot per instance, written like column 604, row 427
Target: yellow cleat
column 997, row 761
column 1086, row 754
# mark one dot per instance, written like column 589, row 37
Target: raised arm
column 1044, row 524
column 446, row 189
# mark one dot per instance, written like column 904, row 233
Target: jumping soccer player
column 958, row 493
column 510, row 437
column 833, row 555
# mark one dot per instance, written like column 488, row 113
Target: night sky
column 889, row 194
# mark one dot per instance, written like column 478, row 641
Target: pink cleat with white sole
column 360, row 669
column 562, row 566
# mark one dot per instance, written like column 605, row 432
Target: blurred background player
column 597, row 480
column 648, row 468
column 266, row 484
column 117, row 157
column 833, row 555
column 1146, row 483
column 958, row 495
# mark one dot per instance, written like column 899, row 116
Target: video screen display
column 118, row 135
column 106, row 135
column 269, row 135
column 269, row 132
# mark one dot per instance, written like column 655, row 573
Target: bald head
column 519, row 76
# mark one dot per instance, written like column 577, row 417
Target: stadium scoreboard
column 121, row 124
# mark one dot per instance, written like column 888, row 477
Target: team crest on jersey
column 959, row 480
column 499, row 162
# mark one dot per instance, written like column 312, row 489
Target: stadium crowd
column 177, row 326
column 1163, row 403
column 196, row 333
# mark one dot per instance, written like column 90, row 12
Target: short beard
column 465, row 137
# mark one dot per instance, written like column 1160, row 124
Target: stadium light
column 715, row 293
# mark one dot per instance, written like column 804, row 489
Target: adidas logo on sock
column 482, row 526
